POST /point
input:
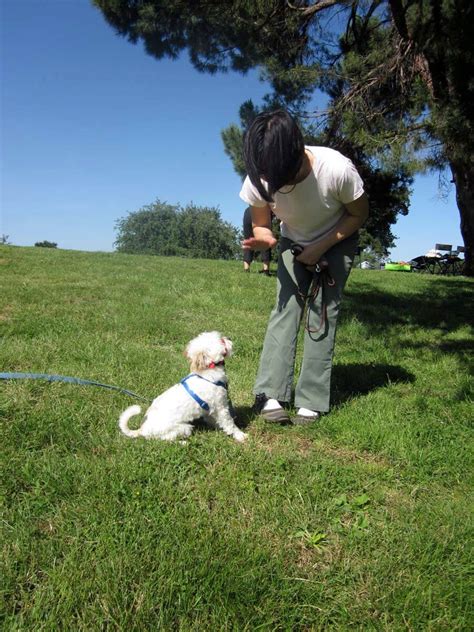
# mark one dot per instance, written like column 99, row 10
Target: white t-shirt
column 311, row 208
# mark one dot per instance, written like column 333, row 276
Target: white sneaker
column 305, row 417
column 271, row 404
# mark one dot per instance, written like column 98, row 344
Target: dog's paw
column 240, row 436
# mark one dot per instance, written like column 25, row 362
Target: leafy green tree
column 398, row 72
column 169, row 230
column 204, row 234
column 402, row 89
column 151, row 230
column 46, row 244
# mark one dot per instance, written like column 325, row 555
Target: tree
column 402, row 89
column 398, row 72
column 46, row 244
column 169, row 230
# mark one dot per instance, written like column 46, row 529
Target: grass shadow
column 353, row 380
column 243, row 415
column 444, row 304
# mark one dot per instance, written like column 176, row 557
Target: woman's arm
column 355, row 216
column 262, row 230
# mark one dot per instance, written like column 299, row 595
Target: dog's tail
column 124, row 418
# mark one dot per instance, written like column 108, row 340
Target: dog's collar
column 213, row 365
column 204, row 405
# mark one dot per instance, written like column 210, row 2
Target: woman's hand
column 354, row 217
column 263, row 238
column 311, row 254
column 260, row 243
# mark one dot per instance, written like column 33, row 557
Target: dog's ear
column 229, row 347
column 188, row 351
column 199, row 361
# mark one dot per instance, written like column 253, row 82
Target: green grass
column 362, row 522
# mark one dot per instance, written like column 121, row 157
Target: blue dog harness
column 204, row 405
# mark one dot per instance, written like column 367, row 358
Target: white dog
column 203, row 393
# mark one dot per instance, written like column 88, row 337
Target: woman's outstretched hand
column 259, row 244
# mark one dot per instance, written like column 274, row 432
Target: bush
column 46, row 244
column 169, row 230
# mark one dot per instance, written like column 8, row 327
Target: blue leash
column 68, row 380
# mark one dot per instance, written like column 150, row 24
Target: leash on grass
column 68, row 380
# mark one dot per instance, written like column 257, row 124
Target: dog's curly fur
column 171, row 414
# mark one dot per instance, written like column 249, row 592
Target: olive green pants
column 277, row 362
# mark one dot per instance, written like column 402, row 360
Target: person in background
column 319, row 198
column 249, row 254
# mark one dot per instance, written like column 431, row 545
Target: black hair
column 273, row 150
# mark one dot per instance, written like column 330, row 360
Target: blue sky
column 92, row 128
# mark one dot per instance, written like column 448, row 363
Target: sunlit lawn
column 361, row 522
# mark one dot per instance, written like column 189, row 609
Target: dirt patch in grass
column 396, row 500
column 350, row 456
column 45, row 527
column 306, row 562
column 272, row 442
column 5, row 313
column 306, row 446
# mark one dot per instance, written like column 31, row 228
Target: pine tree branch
column 318, row 6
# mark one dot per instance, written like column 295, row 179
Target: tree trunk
column 463, row 176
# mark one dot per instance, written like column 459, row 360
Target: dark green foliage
column 401, row 88
column 165, row 229
column 232, row 139
column 46, row 244
column 232, row 136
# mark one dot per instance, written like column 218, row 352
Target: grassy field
column 361, row 522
